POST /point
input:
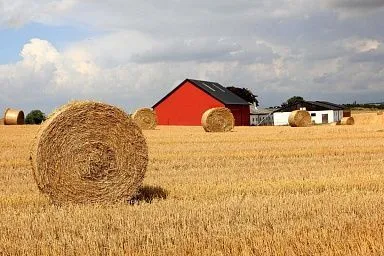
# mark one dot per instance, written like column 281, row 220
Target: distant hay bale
column 13, row 117
column 299, row 118
column 347, row 121
column 218, row 120
column 145, row 118
column 89, row 152
column 379, row 113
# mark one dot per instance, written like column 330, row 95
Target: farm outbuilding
column 322, row 112
column 261, row 116
column 186, row 104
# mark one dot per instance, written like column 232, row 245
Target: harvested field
column 254, row 191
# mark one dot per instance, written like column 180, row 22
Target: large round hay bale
column 145, row 118
column 347, row 121
column 89, row 152
column 299, row 118
column 218, row 120
column 13, row 117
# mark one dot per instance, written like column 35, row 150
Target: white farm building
column 322, row 112
column 260, row 116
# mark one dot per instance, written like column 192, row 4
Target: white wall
column 318, row 118
column 281, row 118
column 337, row 115
column 256, row 119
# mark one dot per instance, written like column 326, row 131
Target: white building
column 321, row 112
column 260, row 116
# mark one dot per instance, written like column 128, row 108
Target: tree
column 245, row 94
column 292, row 100
column 35, row 117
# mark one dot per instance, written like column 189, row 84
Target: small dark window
column 313, row 114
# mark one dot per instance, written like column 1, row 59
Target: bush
column 35, row 117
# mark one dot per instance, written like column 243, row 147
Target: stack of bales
column 145, row 118
column 13, row 117
column 89, row 152
column 299, row 118
column 218, row 120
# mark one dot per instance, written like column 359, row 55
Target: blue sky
column 130, row 53
column 12, row 40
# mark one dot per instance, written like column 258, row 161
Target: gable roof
column 311, row 106
column 329, row 105
column 214, row 89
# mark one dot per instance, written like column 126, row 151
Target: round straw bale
column 347, row 121
column 218, row 120
column 145, row 118
column 379, row 113
column 89, row 152
column 13, row 117
column 299, row 118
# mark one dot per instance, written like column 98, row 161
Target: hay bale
column 218, row 120
column 145, row 118
column 379, row 113
column 89, row 152
column 299, row 118
column 347, row 121
column 13, row 117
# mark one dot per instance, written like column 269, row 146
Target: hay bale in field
column 89, row 152
column 13, row 117
column 145, row 118
column 218, row 120
column 299, row 118
column 347, row 121
column 379, row 113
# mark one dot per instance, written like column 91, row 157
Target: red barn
column 185, row 104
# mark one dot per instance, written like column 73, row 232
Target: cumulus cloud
column 142, row 49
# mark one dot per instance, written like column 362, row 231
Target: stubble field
column 254, row 191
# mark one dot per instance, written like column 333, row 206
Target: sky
column 130, row 53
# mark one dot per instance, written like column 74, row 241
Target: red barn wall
column 185, row 106
column 241, row 114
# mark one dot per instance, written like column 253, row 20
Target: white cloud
column 361, row 45
column 141, row 49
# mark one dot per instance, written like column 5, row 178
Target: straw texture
column 13, row 117
column 299, row 118
column 347, row 121
column 218, row 120
column 89, row 152
column 145, row 118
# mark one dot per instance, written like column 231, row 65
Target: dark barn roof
column 214, row 89
column 311, row 106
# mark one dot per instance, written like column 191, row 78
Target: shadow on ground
column 146, row 194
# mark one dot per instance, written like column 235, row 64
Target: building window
column 313, row 114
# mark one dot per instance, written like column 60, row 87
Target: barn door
column 325, row 118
